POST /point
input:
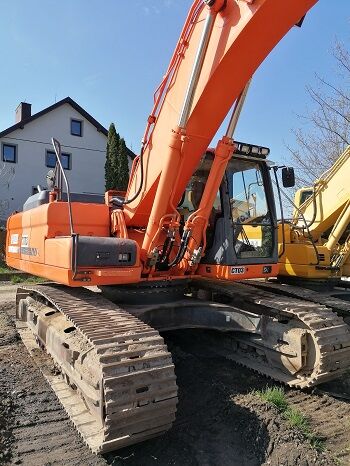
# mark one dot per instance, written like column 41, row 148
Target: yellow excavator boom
column 317, row 241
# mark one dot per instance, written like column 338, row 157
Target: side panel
column 299, row 260
column 39, row 242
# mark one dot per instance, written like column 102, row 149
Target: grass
column 20, row 278
column 276, row 397
column 297, row 419
column 4, row 269
column 15, row 279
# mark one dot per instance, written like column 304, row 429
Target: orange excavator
column 174, row 252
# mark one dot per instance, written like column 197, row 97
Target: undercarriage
column 118, row 383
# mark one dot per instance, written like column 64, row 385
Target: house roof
column 72, row 103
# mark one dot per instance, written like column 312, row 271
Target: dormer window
column 76, row 127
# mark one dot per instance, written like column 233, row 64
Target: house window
column 76, row 127
column 51, row 160
column 9, row 153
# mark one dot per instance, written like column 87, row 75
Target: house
column 27, row 153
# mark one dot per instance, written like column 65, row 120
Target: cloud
column 151, row 9
column 155, row 7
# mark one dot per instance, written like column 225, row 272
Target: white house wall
column 87, row 157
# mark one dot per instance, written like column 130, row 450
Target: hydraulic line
column 178, row 54
column 305, row 227
column 118, row 200
column 161, row 91
column 167, row 248
column 196, row 70
column 314, row 214
column 182, row 249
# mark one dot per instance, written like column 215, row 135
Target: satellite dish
column 50, row 179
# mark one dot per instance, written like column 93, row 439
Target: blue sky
column 110, row 59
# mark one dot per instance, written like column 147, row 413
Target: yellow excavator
column 314, row 246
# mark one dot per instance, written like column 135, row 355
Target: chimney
column 23, row 111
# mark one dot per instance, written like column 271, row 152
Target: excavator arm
column 221, row 46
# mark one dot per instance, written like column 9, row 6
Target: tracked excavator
column 174, row 251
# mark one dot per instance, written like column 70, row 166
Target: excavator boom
column 221, row 46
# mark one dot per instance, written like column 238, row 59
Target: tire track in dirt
column 329, row 419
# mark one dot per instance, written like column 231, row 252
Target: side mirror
column 288, row 177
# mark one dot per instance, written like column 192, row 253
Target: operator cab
column 242, row 227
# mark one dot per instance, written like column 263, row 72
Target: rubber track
column 139, row 387
column 329, row 331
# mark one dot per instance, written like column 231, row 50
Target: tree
column 327, row 132
column 116, row 166
column 123, row 166
column 111, row 158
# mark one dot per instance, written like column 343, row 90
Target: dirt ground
column 219, row 420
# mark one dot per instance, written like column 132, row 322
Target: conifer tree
column 123, row 166
column 116, row 165
column 111, row 164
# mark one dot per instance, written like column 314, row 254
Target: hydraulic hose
column 118, row 200
column 182, row 249
column 305, row 226
column 309, row 224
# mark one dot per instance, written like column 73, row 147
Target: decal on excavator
column 25, row 249
column 14, row 239
column 29, row 251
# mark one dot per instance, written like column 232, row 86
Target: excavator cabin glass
column 251, row 216
column 242, row 224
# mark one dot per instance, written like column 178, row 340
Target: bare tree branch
column 326, row 127
column 335, row 89
column 322, row 102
